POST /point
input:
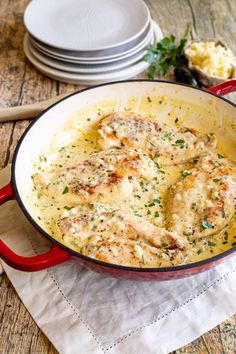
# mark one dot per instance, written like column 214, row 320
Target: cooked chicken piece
column 104, row 176
column 113, row 235
column 203, row 202
column 165, row 144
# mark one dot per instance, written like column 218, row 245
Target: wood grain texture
column 21, row 83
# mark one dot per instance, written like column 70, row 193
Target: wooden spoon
column 27, row 111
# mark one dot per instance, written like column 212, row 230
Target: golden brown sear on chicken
column 166, row 145
column 104, row 176
column 203, row 201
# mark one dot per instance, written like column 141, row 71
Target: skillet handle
column 224, row 88
column 29, row 264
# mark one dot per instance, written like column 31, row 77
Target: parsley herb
column 185, row 173
column 223, row 212
column 211, row 243
column 206, row 225
column 67, row 208
column 164, row 245
column 217, row 180
column 220, row 156
column 66, row 190
column 165, row 54
column 180, row 143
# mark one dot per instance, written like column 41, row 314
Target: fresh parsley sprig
column 165, row 54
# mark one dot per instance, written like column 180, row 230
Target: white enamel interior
column 201, row 110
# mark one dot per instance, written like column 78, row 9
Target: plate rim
column 134, row 49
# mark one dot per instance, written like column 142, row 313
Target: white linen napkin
column 84, row 312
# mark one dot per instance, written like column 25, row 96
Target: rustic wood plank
column 212, row 340
column 228, row 335
column 19, row 333
column 196, row 347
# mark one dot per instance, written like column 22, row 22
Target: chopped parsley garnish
column 164, row 245
column 186, row 173
column 193, row 206
column 212, row 244
column 220, row 156
column 67, row 207
column 180, row 143
column 156, row 214
column 223, row 212
column 149, row 99
column 217, row 180
column 176, row 120
column 156, row 201
column 206, row 225
column 66, row 190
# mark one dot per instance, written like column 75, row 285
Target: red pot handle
column 29, row 264
column 224, row 88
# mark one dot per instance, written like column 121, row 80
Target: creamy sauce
column 148, row 199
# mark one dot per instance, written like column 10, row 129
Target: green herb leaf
column 164, row 245
column 206, row 225
column 66, row 190
column 217, row 180
column 211, row 243
column 186, row 173
column 180, row 143
column 67, row 208
column 223, row 212
column 165, row 54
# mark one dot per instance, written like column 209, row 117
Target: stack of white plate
column 89, row 41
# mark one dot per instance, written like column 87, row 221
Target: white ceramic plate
column 96, row 54
column 85, row 79
column 89, row 56
column 84, row 68
column 84, row 25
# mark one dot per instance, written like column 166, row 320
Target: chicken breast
column 202, row 202
column 104, row 176
column 116, row 236
column 165, row 144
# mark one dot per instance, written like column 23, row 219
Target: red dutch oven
column 40, row 132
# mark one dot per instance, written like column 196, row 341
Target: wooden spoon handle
column 27, row 111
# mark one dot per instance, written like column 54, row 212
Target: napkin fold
column 84, row 312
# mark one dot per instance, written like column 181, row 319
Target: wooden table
column 21, row 84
